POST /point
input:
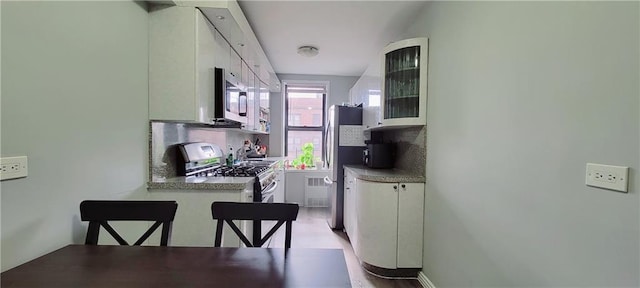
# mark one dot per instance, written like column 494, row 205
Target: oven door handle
column 270, row 189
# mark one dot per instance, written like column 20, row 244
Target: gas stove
column 239, row 171
column 205, row 160
column 261, row 172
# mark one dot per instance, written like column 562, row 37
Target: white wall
column 295, row 184
column 74, row 100
column 521, row 96
column 338, row 93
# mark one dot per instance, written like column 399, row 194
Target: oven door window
column 269, row 192
column 269, row 198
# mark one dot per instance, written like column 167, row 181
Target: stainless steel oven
column 205, row 160
column 268, row 195
column 264, row 188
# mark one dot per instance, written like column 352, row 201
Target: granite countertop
column 208, row 183
column 280, row 165
column 384, row 175
column 278, row 160
column 201, row 183
column 271, row 158
column 314, row 169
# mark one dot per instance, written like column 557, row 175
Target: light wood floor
column 311, row 230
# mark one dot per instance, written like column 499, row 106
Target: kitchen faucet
column 241, row 153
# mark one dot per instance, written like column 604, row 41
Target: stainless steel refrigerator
column 344, row 143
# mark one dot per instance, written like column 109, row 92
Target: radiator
column 316, row 192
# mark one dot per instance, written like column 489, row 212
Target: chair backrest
column 99, row 212
column 256, row 211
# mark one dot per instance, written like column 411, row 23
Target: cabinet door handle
column 403, row 186
column 395, row 187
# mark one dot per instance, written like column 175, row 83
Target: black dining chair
column 256, row 211
column 99, row 212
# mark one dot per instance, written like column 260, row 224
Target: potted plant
column 305, row 159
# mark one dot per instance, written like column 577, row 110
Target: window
column 294, row 119
column 374, row 98
column 305, row 110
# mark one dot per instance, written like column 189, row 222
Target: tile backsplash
column 411, row 147
column 165, row 135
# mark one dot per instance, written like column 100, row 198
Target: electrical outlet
column 607, row 176
column 13, row 167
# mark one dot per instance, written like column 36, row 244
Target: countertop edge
column 157, row 186
column 384, row 175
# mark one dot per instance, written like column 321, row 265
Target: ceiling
column 349, row 34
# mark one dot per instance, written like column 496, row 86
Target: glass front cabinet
column 404, row 97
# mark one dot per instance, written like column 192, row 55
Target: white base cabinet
column 279, row 193
column 193, row 224
column 410, row 224
column 349, row 215
column 377, row 222
column 384, row 222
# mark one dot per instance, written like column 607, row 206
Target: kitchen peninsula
column 186, row 166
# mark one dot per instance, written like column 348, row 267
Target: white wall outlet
column 13, row 167
column 607, row 176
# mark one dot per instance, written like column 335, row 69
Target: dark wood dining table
column 146, row 266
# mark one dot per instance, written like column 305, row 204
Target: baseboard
column 390, row 273
column 424, row 281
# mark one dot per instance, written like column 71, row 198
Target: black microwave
column 230, row 97
column 379, row 155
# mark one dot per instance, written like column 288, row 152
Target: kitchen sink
column 257, row 162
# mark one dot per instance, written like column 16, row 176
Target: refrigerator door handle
column 326, row 145
column 327, row 180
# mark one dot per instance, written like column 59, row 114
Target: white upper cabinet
column 228, row 18
column 182, row 49
column 251, row 103
column 186, row 44
column 235, row 65
column 264, row 112
column 368, row 91
column 371, row 95
column 222, row 58
column 404, row 85
column 264, row 76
